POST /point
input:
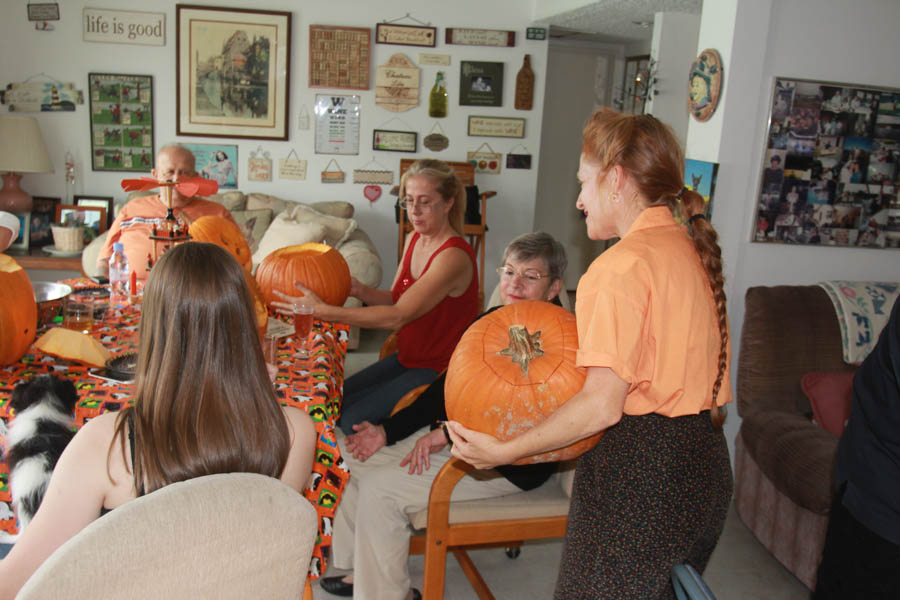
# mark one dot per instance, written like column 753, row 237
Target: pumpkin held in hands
column 318, row 267
column 225, row 234
column 18, row 311
column 511, row 369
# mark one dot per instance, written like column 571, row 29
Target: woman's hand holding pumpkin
column 419, row 456
column 480, row 450
column 367, row 440
column 307, row 296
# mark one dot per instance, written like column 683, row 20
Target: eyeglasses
column 408, row 204
column 528, row 275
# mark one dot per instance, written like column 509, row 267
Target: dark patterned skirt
column 654, row 492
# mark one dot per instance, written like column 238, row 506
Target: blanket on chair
column 863, row 309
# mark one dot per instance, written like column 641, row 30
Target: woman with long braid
column 653, row 337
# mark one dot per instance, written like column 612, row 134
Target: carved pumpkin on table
column 511, row 369
column 318, row 267
column 225, row 234
column 18, row 311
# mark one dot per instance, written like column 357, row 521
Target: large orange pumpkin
column 259, row 304
column 318, row 267
column 511, row 369
column 222, row 232
column 18, row 311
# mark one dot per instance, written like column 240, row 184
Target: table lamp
column 22, row 150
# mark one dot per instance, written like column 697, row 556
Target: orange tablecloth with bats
column 314, row 385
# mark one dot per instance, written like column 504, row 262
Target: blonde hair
column 446, row 183
column 651, row 156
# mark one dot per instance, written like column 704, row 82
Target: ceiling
column 615, row 20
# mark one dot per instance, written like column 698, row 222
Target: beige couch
column 269, row 223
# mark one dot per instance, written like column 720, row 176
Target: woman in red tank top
column 433, row 298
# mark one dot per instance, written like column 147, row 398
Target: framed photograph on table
column 105, row 202
column 232, row 72
column 121, row 122
column 24, row 238
column 43, row 212
column 92, row 217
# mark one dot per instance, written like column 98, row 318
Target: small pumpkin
column 73, row 345
column 222, row 232
column 511, row 369
column 318, row 267
column 18, row 311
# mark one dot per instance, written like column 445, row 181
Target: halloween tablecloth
column 314, row 385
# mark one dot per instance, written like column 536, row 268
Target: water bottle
column 118, row 276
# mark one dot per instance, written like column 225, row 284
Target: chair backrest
column 236, row 535
column 465, row 171
column 689, row 585
column 495, row 299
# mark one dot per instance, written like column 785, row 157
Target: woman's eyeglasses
column 408, row 204
column 528, row 275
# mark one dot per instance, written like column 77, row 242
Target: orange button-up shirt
column 645, row 309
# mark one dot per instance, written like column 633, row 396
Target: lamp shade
column 22, row 148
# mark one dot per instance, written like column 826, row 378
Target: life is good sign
column 124, row 27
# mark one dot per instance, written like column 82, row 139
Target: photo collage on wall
column 830, row 170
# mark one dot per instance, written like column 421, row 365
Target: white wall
column 674, row 47
column 828, row 40
column 63, row 55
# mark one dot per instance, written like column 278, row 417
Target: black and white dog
column 38, row 435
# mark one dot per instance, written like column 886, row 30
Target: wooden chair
column 457, row 527
column 465, row 171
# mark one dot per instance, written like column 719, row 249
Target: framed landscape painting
column 232, row 72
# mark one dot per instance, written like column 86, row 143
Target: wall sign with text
column 496, row 126
column 124, row 27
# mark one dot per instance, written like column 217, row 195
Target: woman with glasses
column 394, row 463
column 653, row 338
column 432, row 300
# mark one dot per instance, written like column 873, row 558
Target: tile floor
column 740, row 568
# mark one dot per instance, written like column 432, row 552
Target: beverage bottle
column 525, row 85
column 118, row 276
column 437, row 102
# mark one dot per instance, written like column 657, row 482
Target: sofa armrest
column 362, row 258
column 795, row 454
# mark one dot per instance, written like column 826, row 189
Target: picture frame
column 510, row 127
column 43, row 213
column 23, row 240
column 829, row 173
column 479, row 37
column 93, row 217
column 339, row 57
column 121, row 122
column 337, row 123
column 105, row 202
column 212, row 98
column 216, row 161
column 480, row 83
column 406, row 35
column 394, row 141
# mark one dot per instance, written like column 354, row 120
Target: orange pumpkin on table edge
column 225, row 234
column 318, row 267
column 18, row 311
column 511, row 369
column 259, row 304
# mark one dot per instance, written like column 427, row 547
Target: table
column 315, row 385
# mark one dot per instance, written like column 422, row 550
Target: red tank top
column 429, row 341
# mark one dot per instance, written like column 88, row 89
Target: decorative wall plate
column 705, row 85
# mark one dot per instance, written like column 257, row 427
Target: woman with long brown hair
column 653, row 337
column 203, row 404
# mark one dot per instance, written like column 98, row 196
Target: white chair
column 236, row 535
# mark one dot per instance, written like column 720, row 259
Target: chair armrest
column 486, row 195
column 389, row 346
column 441, row 489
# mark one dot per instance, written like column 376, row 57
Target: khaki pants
column 371, row 525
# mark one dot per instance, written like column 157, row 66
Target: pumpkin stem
column 523, row 346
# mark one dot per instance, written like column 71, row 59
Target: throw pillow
column 253, row 224
column 285, row 231
column 336, row 228
column 231, row 200
column 335, row 208
column 277, row 205
column 830, row 395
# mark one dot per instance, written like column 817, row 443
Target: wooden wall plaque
column 479, row 37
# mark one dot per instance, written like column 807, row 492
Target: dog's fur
column 38, row 435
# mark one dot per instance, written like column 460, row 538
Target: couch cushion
column 253, row 224
column 285, row 231
column 336, row 228
column 795, row 454
column 231, row 200
column 830, row 395
column 334, row 208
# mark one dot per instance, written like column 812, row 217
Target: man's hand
column 367, row 440
column 420, row 455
